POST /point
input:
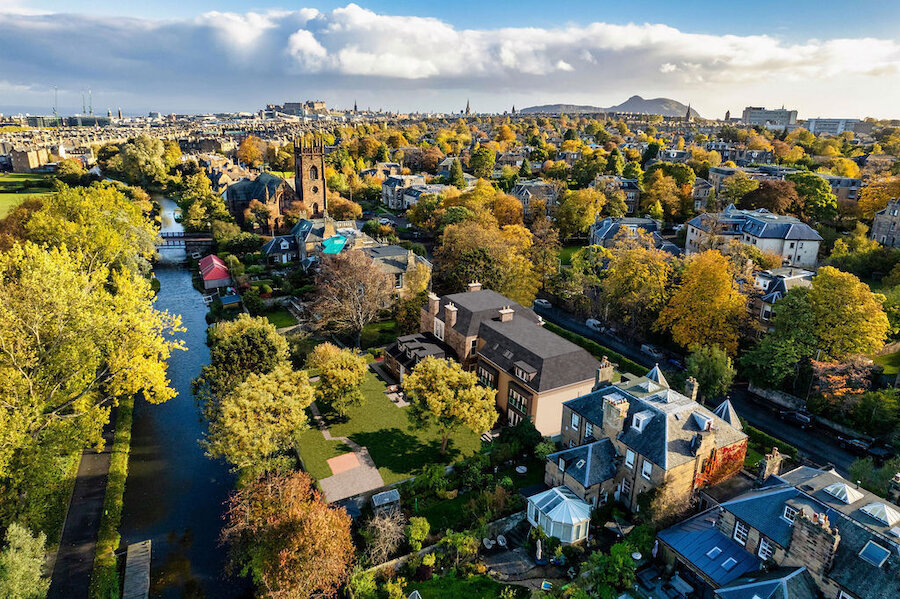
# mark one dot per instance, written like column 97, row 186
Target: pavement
column 818, row 446
column 71, row 577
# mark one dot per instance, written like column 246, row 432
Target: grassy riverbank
column 105, row 578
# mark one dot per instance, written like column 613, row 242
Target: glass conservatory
column 561, row 514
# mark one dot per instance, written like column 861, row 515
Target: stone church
column 309, row 175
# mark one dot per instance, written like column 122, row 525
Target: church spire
column 688, row 116
column 355, row 110
column 467, row 107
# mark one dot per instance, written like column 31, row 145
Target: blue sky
column 825, row 58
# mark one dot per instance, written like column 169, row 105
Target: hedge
column 105, row 582
column 598, row 350
column 766, row 442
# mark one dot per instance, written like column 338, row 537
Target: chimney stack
column 615, row 410
column 813, row 544
column 474, row 286
column 434, row 302
column 770, row 465
column 604, row 373
column 450, row 315
column 506, row 314
column 691, row 388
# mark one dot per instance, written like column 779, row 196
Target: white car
column 593, row 323
column 542, row 303
column 386, row 221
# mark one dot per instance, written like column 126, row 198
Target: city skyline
column 194, row 59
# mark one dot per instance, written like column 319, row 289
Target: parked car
column 881, row 453
column 857, row 446
column 542, row 303
column 593, row 323
column 385, row 221
column 800, row 419
column 653, row 352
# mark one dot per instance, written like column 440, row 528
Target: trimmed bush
column 764, row 442
column 597, row 350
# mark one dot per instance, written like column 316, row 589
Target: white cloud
column 352, row 48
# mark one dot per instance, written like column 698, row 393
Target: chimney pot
column 506, row 314
column 474, row 286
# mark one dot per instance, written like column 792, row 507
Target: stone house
column 808, row 529
column 529, row 190
column 663, row 437
column 796, row 242
column 393, row 188
column 886, row 225
column 605, row 232
column 533, row 370
column 774, row 285
column 404, row 266
column 273, row 192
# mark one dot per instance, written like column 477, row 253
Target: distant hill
column 661, row 106
column 560, row 108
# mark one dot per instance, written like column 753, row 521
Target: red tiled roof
column 213, row 268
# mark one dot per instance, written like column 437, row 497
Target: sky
column 823, row 58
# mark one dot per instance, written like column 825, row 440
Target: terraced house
column 803, row 534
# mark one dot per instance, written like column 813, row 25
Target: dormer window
column 640, row 420
column 789, row 513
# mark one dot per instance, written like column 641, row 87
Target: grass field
column 565, row 254
column 281, row 318
column 890, row 362
column 376, row 334
column 399, row 448
column 15, row 187
column 449, row 587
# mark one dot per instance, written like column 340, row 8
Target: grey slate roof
column 393, row 258
column 555, row 362
column 726, row 412
column 802, row 488
column 777, row 583
column 589, row 464
column 273, row 246
column 475, row 306
column 696, row 538
column 758, row 223
column 666, row 438
column 246, row 190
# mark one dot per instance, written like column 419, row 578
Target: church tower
column 467, row 108
column 309, row 174
column 689, row 117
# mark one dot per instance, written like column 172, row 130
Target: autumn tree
column 292, row 542
column 444, row 395
column 636, row 281
column 457, row 179
column 544, row 252
column 706, row 307
column 140, row 159
column 577, row 211
column 200, row 205
column 779, row 197
column 258, row 419
column 507, row 210
column 351, row 290
column 662, row 191
column 251, row 150
column 343, row 209
column 341, row 373
column 876, row 194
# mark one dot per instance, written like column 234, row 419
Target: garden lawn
column 281, row 318
column 890, row 362
column 15, row 187
column 399, row 448
column 565, row 254
column 377, row 334
column 447, row 587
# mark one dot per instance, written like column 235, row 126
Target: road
column 818, row 446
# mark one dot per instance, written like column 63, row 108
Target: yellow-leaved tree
column 442, row 394
column 706, row 308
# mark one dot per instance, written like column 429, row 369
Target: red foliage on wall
column 721, row 465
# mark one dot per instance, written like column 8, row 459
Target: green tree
column 259, row 418
column 525, row 169
column 633, row 170
column 819, row 203
column 417, row 531
column 578, row 211
column 615, row 163
column 457, row 179
column 442, row 394
column 735, row 187
column 21, row 561
column 201, row 205
column 238, row 348
column 482, row 162
column 712, row 368
column 608, row 574
column 141, row 161
column 341, row 373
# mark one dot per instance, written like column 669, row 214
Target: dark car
column 801, row 419
column 881, row 453
column 856, row 446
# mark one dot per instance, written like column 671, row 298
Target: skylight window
column 882, row 513
column 843, row 492
column 728, row 564
column 714, row 553
column 874, row 553
column 580, row 464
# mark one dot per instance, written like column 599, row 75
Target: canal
column 174, row 494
